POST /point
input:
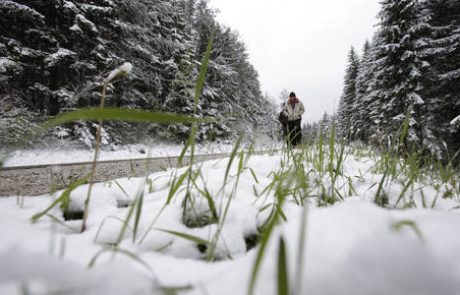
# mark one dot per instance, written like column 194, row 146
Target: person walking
column 294, row 109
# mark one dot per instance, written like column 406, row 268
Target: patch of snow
column 354, row 244
column 456, row 121
column 145, row 51
column 76, row 28
column 24, row 8
column 95, row 8
column 123, row 70
column 56, row 155
column 70, row 5
column 5, row 64
column 59, row 55
column 87, row 23
column 452, row 75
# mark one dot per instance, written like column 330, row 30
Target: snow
column 70, row 5
column 12, row 5
column 122, row 70
column 56, row 57
column 5, row 64
column 66, row 154
column 455, row 74
column 456, row 121
column 75, row 28
column 96, row 9
column 87, row 23
column 352, row 247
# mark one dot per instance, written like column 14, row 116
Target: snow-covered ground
column 352, row 247
column 58, row 155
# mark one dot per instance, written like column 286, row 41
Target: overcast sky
column 301, row 45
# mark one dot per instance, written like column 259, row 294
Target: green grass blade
column 232, row 157
column 116, row 114
column 378, row 196
column 283, row 276
column 411, row 224
column 403, row 192
column 122, row 251
column 122, row 189
column 126, row 222
column 301, row 252
column 212, row 205
column 405, row 127
column 96, row 237
column 185, row 236
column 203, row 70
column 137, row 217
column 281, row 213
column 175, row 186
column 254, row 175
column 64, row 199
column 261, row 253
column 188, row 143
column 137, row 206
column 62, row 223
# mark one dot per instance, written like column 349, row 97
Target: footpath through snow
column 352, row 247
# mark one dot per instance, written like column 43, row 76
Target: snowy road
column 40, row 179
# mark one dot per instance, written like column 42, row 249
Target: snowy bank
column 352, row 247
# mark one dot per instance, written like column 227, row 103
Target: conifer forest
column 55, row 53
column 410, row 67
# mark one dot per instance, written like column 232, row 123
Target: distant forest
column 54, row 54
column 411, row 66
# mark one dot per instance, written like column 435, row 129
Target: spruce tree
column 396, row 68
column 360, row 119
column 347, row 103
column 439, row 48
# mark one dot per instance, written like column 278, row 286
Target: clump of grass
column 63, row 200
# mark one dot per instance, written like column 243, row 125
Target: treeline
column 54, row 55
column 412, row 66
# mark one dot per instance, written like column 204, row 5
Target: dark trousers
column 294, row 136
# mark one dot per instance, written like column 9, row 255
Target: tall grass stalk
column 283, row 273
column 192, row 137
column 92, row 172
column 300, row 258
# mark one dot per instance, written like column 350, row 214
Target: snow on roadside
column 351, row 248
column 31, row 157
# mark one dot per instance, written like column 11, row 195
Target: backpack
column 282, row 117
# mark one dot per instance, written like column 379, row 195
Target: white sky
column 301, row 45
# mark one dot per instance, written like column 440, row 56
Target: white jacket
column 294, row 112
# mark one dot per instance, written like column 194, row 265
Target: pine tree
column 439, row 48
column 397, row 69
column 348, row 100
column 360, row 119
